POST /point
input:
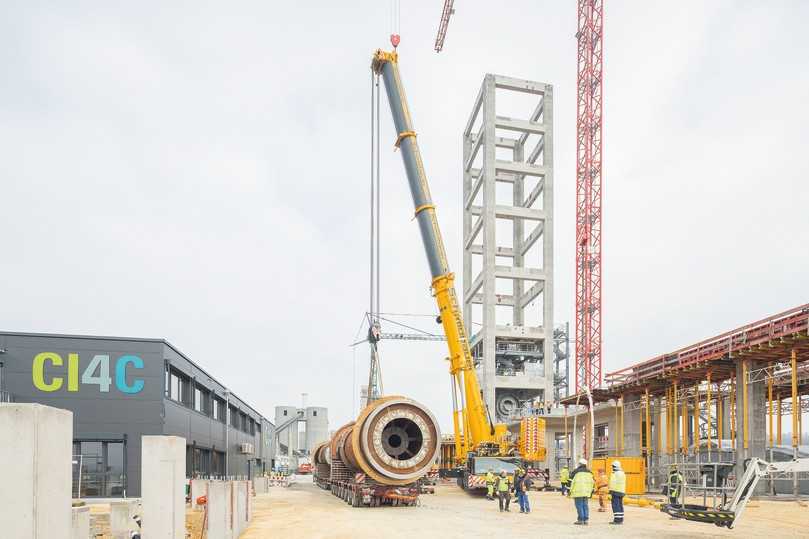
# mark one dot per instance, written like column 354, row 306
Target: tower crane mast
column 589, row 123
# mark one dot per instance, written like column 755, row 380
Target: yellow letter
column 39, row 371
column 73, row 372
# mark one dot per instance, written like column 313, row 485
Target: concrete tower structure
column 508, row 242
column 317, row 426
column 289, row 436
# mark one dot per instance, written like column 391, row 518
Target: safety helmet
column 616, row 465
column 583, row 462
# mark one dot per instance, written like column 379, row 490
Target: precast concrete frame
column 530, row 211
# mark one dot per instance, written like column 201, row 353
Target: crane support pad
column 700, row 513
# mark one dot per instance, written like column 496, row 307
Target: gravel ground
column 305, row 511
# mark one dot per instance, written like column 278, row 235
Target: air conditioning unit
column 246, row 449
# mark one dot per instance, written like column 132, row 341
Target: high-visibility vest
column 618, row 482
column 675, row 481
column 502, row 484
column 583, row 483
column 489, row 478
column 564, row 475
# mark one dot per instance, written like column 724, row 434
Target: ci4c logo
column 97, row 373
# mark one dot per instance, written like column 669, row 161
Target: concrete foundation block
column 218, row 501
column 199, row 487
column 80, row 523
column 163, row 487
column 35, row 464
column 121, row 519
column 261, row 485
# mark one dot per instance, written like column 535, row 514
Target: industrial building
column 294, row 441
column 120, row 389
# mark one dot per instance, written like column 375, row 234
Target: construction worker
column 490, row 479
column 601, row 490
column 503, row 491
column 564, row 478
column 581, row 490
column 617, row 488
column 674, row 485
column 521, row 485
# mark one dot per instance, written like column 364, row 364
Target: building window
column 243, row 423
column 234, row 418
column 179, row 388
column 314, row 413
column 218, row 409
column 285, row 412
column 202, row 400
column 99, row 468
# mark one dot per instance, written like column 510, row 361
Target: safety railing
column 786, row 324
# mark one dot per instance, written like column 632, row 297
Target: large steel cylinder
column 322, row 453
column 395, row 441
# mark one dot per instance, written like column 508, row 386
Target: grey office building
column 122, row 388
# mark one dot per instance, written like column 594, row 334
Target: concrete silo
column 317, row 426
column 289, row 436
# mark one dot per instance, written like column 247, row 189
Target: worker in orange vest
column 601, row 490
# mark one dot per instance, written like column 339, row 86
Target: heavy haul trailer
column 381, row 458
column 476, row 436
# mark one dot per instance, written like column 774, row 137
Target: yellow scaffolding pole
column 708, row 409
column 778, row 432
column 668, row 421
column 684, row 418
column 649, row 442
column 622, row 426
column 745, row 412
column 733, row 411
column 696, row 418
column 659, row 425
column 796, row 406
column 720, row 430
column 675, row 418
column 769, row 407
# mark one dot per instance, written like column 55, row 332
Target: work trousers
column 565, row 487
column 673, row 500
column 617, row 508
column 602, row 499
column 504, row 498
column 490, row 490
column 582, row 509
column 522, row 497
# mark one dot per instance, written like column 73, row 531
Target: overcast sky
column 199, row 172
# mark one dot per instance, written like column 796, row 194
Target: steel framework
column 588, row 193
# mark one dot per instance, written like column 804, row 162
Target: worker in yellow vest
column 564, row 478
column 490, row 484
column 503, row 490
column 581, row 490
column 617, row 488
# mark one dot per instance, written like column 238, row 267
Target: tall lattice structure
column 508, row 244
column 588, row 193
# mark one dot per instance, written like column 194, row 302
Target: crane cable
column 375, row 374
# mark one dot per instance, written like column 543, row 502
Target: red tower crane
column 589, row 106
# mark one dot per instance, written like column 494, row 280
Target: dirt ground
column 305, row 511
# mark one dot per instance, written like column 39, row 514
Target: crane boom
column 479, row 434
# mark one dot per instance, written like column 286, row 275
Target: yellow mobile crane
column 479, row 443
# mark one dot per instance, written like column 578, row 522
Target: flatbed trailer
column 359, row 490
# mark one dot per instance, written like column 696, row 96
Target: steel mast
column 589, row 122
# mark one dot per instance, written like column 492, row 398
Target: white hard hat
column 616, row 465
column 583, row 462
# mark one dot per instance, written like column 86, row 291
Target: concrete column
column 121, row 519
column 163, row 487
column 80, row 523
column 756, row 420
column 35, row 466
column 218, row 502
column 489, row 189
column 198, row 488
